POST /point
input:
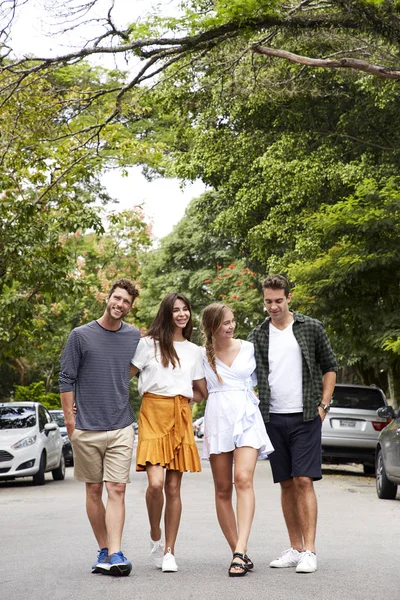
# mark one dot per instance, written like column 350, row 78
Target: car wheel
column 39, row 477
column 59, row 473
column 385, row 489
column 369, row 469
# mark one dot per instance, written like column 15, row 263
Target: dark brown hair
column 211, row 320
column 162, row 328
column 276, row 282
column 125, row 284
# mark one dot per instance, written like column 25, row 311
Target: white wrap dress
column 232, row 418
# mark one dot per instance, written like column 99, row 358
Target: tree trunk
column 394, row 382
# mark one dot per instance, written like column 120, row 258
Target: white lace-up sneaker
column 169, row 563
column 157, row 553
column 288, row 558
column 307, row 562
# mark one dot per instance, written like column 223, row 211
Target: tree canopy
column 287, row 111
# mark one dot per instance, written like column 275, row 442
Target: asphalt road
column 47, row 546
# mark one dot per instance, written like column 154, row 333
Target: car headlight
column 25, row 442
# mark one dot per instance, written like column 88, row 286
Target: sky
column 163, row 200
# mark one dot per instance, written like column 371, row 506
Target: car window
column 17, row 417
column 44, row 418
column 58, row 418
column 365, row 399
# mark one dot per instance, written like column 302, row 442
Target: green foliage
column 198, row 409
column 197, row 261
column 305, row 169
column 36, row 393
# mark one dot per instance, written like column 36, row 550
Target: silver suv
column 30, row 442
column 351, row 427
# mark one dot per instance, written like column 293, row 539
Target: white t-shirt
column 167, row 381
column 285, row 371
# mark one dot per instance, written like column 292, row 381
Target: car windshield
column 17, row 417
column 58, row 418
column 365, row 399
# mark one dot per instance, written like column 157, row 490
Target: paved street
column 47, row 546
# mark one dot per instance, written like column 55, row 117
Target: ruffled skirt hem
column 161, row 451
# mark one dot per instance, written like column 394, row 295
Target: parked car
column 388, row 455
column 58, row 417
column 351, row 427
column 30, row 442
column 196, row 426
column 200, row 429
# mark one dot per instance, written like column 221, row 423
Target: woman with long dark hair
column 171, row 373
column 234, row 431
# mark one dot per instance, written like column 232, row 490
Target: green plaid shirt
column 317, row 357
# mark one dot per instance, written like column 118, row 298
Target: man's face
column 276, row 304
column 119, row 304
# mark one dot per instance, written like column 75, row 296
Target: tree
column 280, row 157
column 198, row 261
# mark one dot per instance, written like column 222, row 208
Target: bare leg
column 221, row 467
column 96, row 512
column 155, row 499
column 173, row 507
column 115, row 515
column 307, row 510
column 291, row 513
column 245, row 460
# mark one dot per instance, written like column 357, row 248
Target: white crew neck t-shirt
column 285, row 371
column 167, row 381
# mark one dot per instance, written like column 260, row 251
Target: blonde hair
column 211, row 320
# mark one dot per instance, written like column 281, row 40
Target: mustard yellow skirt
column 166, row 434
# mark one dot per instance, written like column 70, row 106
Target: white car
column 30, row 442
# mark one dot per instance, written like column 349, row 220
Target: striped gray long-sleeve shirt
column 95, row 366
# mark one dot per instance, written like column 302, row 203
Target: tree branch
column 341, row 63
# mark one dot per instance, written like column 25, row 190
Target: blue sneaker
column 116, row 565
column 102, row 557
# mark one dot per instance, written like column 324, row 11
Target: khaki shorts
column 103, row 455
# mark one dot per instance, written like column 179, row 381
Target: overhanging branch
column 340, row 63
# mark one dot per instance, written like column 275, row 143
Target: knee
column 303, row 484
column 172, row 490
column 116, row 491
column 155, row 488
column 243, row 481
column 223, row 492
column 94, row 492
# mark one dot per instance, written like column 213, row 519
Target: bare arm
column 133, row 371
column 67, row 403
column 199, row 390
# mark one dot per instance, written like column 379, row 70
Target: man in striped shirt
column 95, row 376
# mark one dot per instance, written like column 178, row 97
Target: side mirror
column 50, row 427
column 386, row 412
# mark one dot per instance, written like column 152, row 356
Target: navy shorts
column 297, row 443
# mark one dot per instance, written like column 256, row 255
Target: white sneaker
column 157, row 553
column 169, row 563
column 288, row 558
column 307, row 562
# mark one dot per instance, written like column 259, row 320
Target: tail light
column 379, row 425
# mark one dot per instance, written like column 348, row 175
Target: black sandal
column 243, row 566
column 249, row 563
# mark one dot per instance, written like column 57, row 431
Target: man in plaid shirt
column 296, row 373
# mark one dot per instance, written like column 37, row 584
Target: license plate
column 348, row 423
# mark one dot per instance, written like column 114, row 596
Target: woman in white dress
column 171, row 368
column 234, row 431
